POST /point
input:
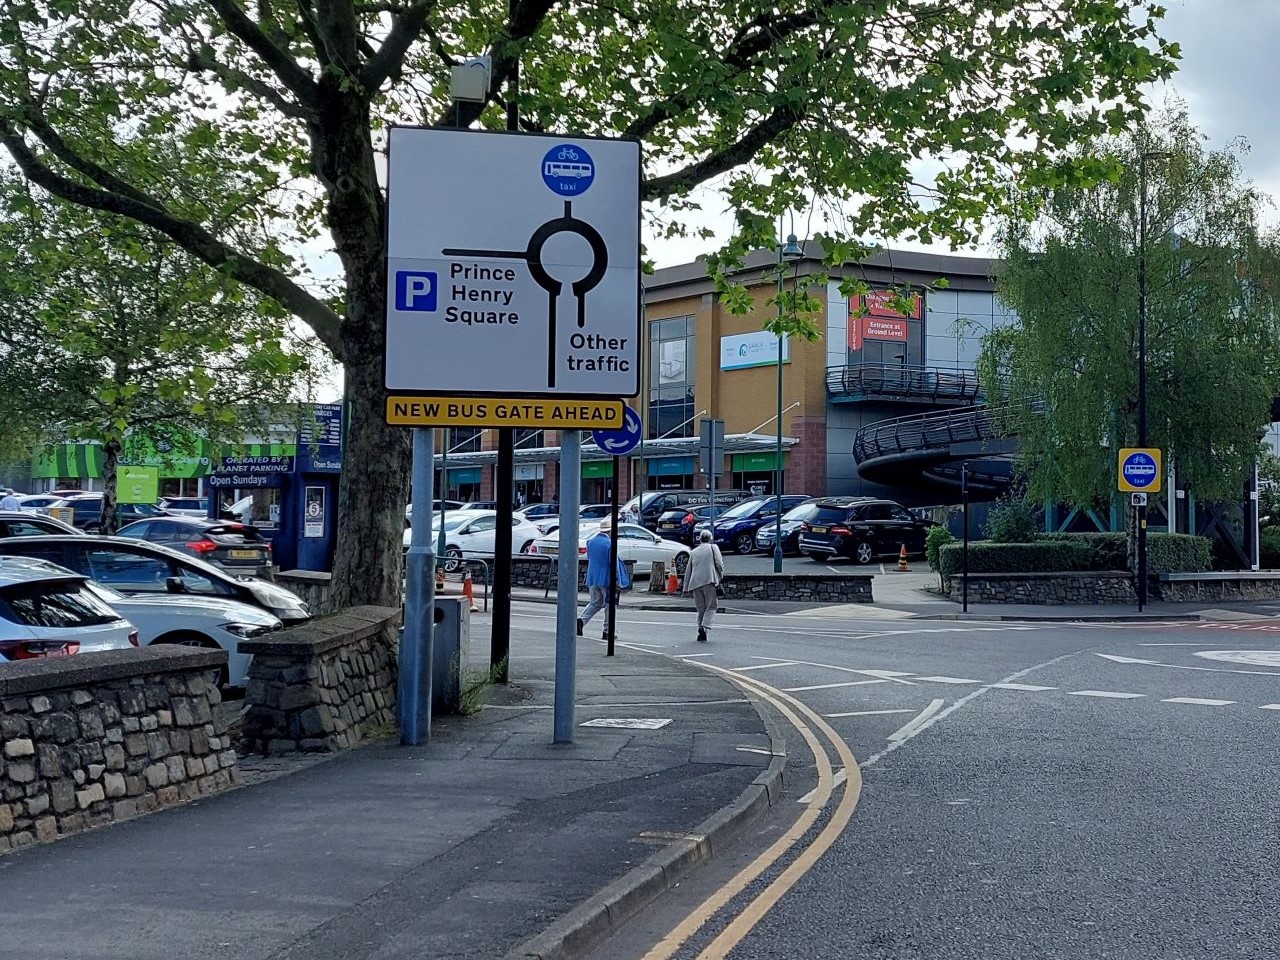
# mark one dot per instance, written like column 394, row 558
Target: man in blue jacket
column 598, row 549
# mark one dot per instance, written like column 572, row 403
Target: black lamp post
column 1142, row 357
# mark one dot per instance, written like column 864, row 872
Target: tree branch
column 781, row 120
column 293, row 76
column 201, row 63
column 406, row 27
column 127, row 201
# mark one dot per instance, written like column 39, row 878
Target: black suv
column 862, row 529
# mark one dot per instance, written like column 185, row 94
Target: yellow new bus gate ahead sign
column 543, row 412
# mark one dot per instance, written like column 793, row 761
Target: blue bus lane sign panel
column 513, row 265
column 1139, row 470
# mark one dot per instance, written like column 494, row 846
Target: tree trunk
column 110, row 469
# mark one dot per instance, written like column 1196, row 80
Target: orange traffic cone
column 902, row 561
column 673, row 580
column 439, row 576
column 469, row 593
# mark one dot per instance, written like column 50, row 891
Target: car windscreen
column 829, row 515
column 747, row 508
column 61, row 604
column 800, row 513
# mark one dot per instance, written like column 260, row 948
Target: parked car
column 235, row 547
column 651, row 506
column 135, row 566
column 792, row 522
column 862, row 529
column 592, row 513
column 634, row 543
column 37, row 502
column 193, row 621
column 736, row 528
column 539, row 511
column 19, row 523
column 54, row 614
column 436, row 505
column 87, row 511
column 479, row 505
column 680, row 524
column 471, row 534
column 185, row 506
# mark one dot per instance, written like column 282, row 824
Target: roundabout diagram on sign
column 1254, row 658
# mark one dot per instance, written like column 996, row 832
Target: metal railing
column 940, row 430
column 885, row 380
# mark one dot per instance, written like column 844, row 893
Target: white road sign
column 513, row 264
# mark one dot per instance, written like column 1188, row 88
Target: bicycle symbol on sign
column 567, row 153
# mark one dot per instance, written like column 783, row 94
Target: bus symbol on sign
column 1139, row 470
column 568, row 170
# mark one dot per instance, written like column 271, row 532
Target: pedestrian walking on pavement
column 702, row 579
column 598, row 549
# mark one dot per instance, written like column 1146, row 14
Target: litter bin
column 449, row 648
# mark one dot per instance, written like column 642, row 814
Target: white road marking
column 840, row 777
column 628, row 723
column 866, row 713
column 917, row 724
column 1107, row 693
column 765, row 666
column 831, row 686
column 1168, row 644
column 693, row 656
column 762, row 750
column 1201, row 701
column 956, row 680
column 1183, row 666
column 1030, row 687
column 1252, row 658
column 1270, row 706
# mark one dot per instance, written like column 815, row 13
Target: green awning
column 756, row 462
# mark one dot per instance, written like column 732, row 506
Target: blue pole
column 413, row 702
column 567, row 584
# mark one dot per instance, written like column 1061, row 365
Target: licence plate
column 817, row 529
column 244, row 554
column 549, row 551
column 667, row 526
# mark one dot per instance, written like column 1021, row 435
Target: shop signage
column 244, row 481
column 513, row 265
column 321, row 425
column 137, row 484
column 756, row 349
column 257, row 464
column 516, row 412
column 876, row 328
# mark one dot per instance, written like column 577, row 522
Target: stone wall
column 1216, row 587
column 1054, row 589
column 311, row 585
column 100, row 737
column 792, row 587
column 533, row 572
column 323, row 685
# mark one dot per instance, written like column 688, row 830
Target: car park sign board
column 513, row 265
column 1139, row 470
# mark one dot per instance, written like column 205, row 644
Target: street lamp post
column 788, row 252
column 1142, row 357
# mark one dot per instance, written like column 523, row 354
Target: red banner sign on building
column 884, row 328
column 876, row 303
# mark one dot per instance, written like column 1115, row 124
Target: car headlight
column 245, row 630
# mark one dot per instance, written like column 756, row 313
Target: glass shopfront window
column 671, row 377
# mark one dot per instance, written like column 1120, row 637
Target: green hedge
column 1041, row 557
column 1178, row 553
column 1270, row 548
column 1110, row 551
column 937, row 538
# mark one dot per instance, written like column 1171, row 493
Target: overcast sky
column 1229, row 76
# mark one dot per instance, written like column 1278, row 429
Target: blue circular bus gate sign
column 1139, row 470
column 623, row 440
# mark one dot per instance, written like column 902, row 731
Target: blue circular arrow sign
column 1139, row 469
column 623, row 440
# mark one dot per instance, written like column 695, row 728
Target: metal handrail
column 901, row 380
column 940, row 429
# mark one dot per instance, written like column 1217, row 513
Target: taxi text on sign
column 1139, row 470
column 507, row 412
column 513, row 265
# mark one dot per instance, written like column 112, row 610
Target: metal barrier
column 940, row 430
column 885, row 380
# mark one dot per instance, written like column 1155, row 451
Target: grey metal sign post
column 711, row 456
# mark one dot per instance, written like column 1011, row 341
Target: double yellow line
column 806, row 722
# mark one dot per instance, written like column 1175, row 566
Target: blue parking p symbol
column 415, row 291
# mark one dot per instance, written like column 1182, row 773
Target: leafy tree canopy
column 1213, row 327
column 823, row 104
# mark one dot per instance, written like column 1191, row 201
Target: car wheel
column 863, row 552
column 745, row 543
column 682, row 563
column 525, row 548
column 191, row 639
column 452, row 559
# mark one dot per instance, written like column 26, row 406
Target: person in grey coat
column 706, row 568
